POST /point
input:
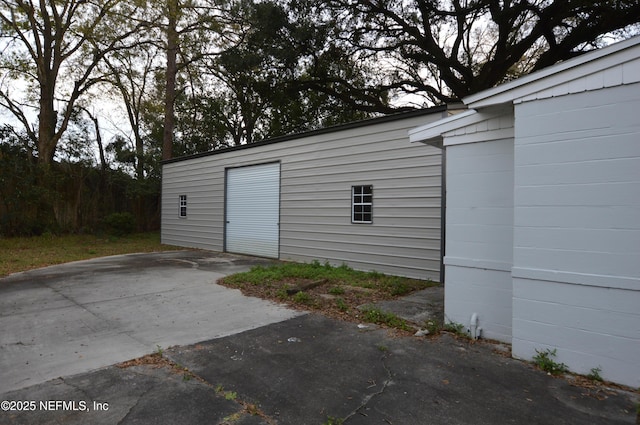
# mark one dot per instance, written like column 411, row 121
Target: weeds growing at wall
column 545, row 361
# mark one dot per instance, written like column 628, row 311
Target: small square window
column 183, row 206
column 362, row 204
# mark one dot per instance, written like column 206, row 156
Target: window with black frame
column 183, row 206
column 362, row 204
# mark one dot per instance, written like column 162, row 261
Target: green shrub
column 120, row 224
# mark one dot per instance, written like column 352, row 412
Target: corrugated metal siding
column 317, row 173
column 252, row 210
column 204, row 187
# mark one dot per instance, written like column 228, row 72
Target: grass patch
column 264, row 275
column 377, row 316
column 303, row 298
column 455, row 328
column 335, row 291
column 21, row 254
column 341, row 304
column 336, row 278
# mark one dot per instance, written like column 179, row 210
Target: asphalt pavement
column 280, row 367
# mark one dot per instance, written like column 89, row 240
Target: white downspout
column 473, row 326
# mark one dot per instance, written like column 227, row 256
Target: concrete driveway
column 78, row 317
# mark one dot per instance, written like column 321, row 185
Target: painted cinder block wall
column 575, row 224
column 479, row 220
column 317, row 171
column 479, row 216
column 576, row 245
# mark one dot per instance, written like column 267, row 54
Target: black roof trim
column 330, row 129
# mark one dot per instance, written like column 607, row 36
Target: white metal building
column 359, row 194
column 543, row 212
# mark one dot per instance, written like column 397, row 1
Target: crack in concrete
column 101, row 318
column 78, row 388
column 246, row 408
column 135, row 404
column 367, row 399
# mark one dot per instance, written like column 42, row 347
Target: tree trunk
column 47, row 121
column 172, row 70
column 140, row 156
column 103, row 161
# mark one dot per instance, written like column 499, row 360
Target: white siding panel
column 407, row 234
column 625, row 73
column 631, row 72
column 373, row 259
column 613, row 76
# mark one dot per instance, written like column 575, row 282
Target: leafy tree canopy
column 445, row 50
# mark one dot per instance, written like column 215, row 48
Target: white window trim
column 182, row 208
column 354, row 204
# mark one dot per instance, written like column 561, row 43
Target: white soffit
column 432, row 132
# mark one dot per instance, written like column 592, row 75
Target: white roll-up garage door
column 253, row 210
